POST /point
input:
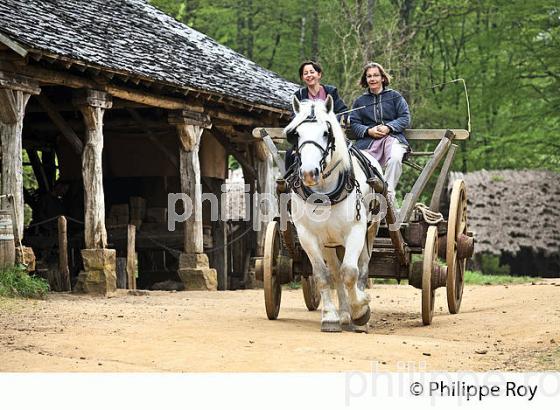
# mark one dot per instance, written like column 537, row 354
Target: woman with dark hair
column 379, row 125
column 310, row 73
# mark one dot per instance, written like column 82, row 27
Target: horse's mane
column 341, row 151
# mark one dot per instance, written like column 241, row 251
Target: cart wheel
column 310, row 294
column 430, row 260
column 456, row 225
column 272, row 289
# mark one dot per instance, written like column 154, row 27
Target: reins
column 347, row 181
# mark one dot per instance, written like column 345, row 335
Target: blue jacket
column 388, row 108
column 339, row 106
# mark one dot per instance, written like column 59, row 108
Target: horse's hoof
column 360, row 329
column 345, row 318
column 331, row 327
column 362, row 320
column 348, row 327
column 351, row 327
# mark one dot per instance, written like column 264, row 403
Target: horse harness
column 347, row 181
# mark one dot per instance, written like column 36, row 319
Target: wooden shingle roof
column 510, row 210
column 133, row 37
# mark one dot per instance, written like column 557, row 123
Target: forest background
column 507, row 51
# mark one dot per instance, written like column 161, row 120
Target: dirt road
column 515, row 327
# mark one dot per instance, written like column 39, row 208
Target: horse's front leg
column 333, row 264
column 330, row 320
column 359, row 300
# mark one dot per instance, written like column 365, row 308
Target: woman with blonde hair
column 379, row 125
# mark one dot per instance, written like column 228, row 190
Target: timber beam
column 222, row 138
column 50, row 77
column 61, row 124
column 151, row 136
column 189, row 127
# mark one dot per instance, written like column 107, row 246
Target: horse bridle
column 347, row 181
column 328, row 134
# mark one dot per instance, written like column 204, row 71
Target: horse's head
column 316, row 133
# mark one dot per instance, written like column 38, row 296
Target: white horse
column 325, row 164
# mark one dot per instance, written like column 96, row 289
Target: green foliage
column 507, row 52
column 475, row 278
column 232, row 162
column 478, row 278
column 490, row 265
column 295, row 284
column 16, row 282
column 29, row 182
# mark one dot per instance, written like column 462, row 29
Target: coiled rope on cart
column 431, row 217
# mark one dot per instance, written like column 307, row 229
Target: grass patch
column 478, row 278
column 16, row 282
column 384, row 281
column 473, row 278
column 295, row 284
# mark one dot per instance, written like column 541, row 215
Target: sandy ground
column 515, row 327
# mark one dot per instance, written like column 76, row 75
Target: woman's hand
column 379, row 131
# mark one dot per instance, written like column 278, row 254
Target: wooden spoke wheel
column 428, row 264
column 272, row 288
column 456, row 226
column 310, row 293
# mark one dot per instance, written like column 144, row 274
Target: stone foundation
column 99, row 274
column 195, row 272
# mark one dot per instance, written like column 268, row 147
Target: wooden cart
column 447, row 239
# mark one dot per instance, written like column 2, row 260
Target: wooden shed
column 115, row 105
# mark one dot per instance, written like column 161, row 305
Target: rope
column 217, row 248
column 431, row 217
column 175, row 253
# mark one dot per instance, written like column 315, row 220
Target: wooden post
column 265, row 184
column 14, row 95
column 64, row 272
column 194, row 269
column 131, row 257
column 190, row 128
column 252, row 237
column 190, row 184
column 38, row 170
column 92, row 106
column 442, row 178
column 218, row 257
column 412, row 197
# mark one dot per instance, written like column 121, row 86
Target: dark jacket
column 388, row 108
column 339, row 106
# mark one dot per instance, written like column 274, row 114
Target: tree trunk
column 302, row 39
column 250, row 30
column 315, row 35
column 369, row 30
column 240, row 35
